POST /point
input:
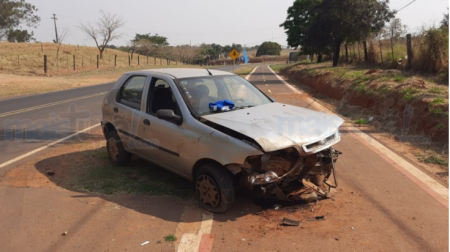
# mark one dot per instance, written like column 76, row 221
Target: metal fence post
column 73, row 62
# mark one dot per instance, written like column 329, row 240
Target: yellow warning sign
column 234, row 54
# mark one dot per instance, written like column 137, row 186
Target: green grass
column 435, row 90
column 361, row 121
column 432, row 159
column 360, row 88
column 408, row 94
column 140, row 177
column 435, row 160
column 170, row 238
column 437, row 101
column 244, row 71
column 399, row 78
column 361, row 79
column 277, row 68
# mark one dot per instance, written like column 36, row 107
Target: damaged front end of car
column 289, row 176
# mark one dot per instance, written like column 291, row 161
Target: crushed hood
column 276, row 126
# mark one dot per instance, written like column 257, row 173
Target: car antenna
column 208, row 71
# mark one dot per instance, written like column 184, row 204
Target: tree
column 148, row 44
column 13, row 13
column 269, row 48
column 444, row 21
column 19, row 36
column 61, row 37
column 321, row 26
column 104, row 30
column 394, row 30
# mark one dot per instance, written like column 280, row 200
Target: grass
column 170, row 238
column 140, row 177
column 432, row 159
column 277, row 68
column 244, row 71
column 28, row 58
column 435, row 90
column 408, row 94
column 437, row 101
column 360, row 88
column 399, row 78
column 15, row 85
column 361, row 121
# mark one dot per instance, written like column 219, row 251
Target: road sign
column 234, row 54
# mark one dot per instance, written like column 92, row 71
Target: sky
column 246, row 22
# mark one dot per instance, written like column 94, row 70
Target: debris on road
column 289, row 222
column 276, row 206
column 318, row 218
column 145, row 243
column 65, row 233
column 50, row 173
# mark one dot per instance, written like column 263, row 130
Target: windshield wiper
column 243, row 107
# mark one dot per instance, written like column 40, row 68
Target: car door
column 127, row 109
column 162, row 140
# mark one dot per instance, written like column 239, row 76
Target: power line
column 406, row 5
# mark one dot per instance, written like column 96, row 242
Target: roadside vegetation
column 16, row 85
column 360, row 91
column 244, row 71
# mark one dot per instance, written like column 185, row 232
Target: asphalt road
column 30, row 122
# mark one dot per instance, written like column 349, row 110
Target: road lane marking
column 430, row 185
column 49, row 104
column 248, row 76
column 45, row 147
column 191, row 242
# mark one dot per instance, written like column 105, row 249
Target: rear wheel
column 214, row 187
column 116, row 151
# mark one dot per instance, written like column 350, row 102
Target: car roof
column 183, row 72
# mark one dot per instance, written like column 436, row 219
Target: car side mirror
column 168, row 115
column 273, row 99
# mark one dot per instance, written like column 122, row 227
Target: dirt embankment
column 409, row 107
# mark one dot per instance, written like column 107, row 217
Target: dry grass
column 15, row 85
column 28, row 59
column 244, row 71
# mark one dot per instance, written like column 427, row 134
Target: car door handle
column 116, row 110
column 147, row 122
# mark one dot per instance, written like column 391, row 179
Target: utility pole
column 56, row 31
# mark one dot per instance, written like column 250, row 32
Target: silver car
column 220, row 131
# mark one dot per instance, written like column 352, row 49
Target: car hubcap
column 112, row 149
column 207, row 191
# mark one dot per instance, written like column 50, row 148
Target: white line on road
column 248, row 76
column 49, row 104
column 45, row 147
column 411, row 169
column 191, row 242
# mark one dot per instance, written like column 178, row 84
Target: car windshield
column 201, row 91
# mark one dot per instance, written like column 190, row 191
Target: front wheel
column 214, row 187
